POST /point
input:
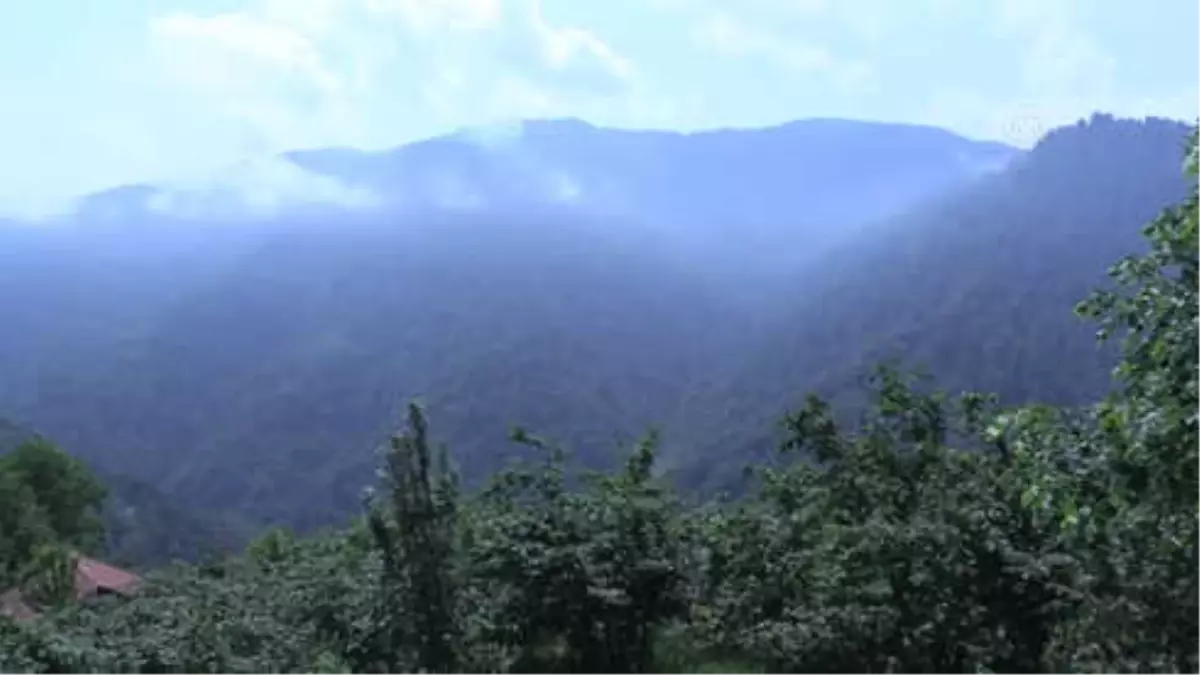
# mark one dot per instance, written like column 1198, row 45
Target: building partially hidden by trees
column 91, row 579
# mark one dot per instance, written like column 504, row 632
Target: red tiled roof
column 93, row 576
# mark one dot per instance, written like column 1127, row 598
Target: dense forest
column 303, row 332
column 931, row 532
column 138, row 525
column 973, row 288
column 247, row 368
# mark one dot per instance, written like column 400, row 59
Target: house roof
column 93, row 576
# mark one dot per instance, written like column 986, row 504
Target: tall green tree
column 63, row 487
column 415, row 530
column 584, row 576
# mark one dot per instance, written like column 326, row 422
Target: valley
column 251, row 366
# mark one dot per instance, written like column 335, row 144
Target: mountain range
column 243, row 343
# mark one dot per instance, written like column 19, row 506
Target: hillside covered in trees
column 973, row 288
column 696, row 283
column 136, row 524
column 937, row 533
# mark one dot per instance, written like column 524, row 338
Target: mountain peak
column 560, row 125
column 1112, row 127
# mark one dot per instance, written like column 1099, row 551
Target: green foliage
column 48, row 577
column 237, row 616
column 416, row 538
column 890, row 551
column 580, row 579
column 63, row 489
column 23, row 527
column 47, row 499
column 1131, row 496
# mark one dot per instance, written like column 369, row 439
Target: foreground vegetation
column 939, row 535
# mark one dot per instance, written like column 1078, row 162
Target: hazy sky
column 103, row 92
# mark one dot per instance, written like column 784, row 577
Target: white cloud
column 1025, row 121
column 265, row 77
column 1059, row 72
column 1058, row 54
column 256, row 188
column 563, row 45
column 188, row 91
column 498, row 135
column 437, row 18
column 278, row 75
column 327, row 70
column 728, row 35
column 1017, row 123
column 254, row 41
column 564, row 188
column 779, row 33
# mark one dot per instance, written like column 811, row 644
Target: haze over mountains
column 243, row 345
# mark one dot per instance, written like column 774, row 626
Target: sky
column 101, row 93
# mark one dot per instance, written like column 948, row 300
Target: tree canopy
column 47, row 499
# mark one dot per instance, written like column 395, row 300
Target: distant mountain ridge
column 711, row 190
column 254, row 367
column 657, row 177
column 636, row 173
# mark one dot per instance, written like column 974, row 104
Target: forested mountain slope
column 975, row 288
column 246, row 361
column 142, row 526
column 263, row 391
column 248, row 365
